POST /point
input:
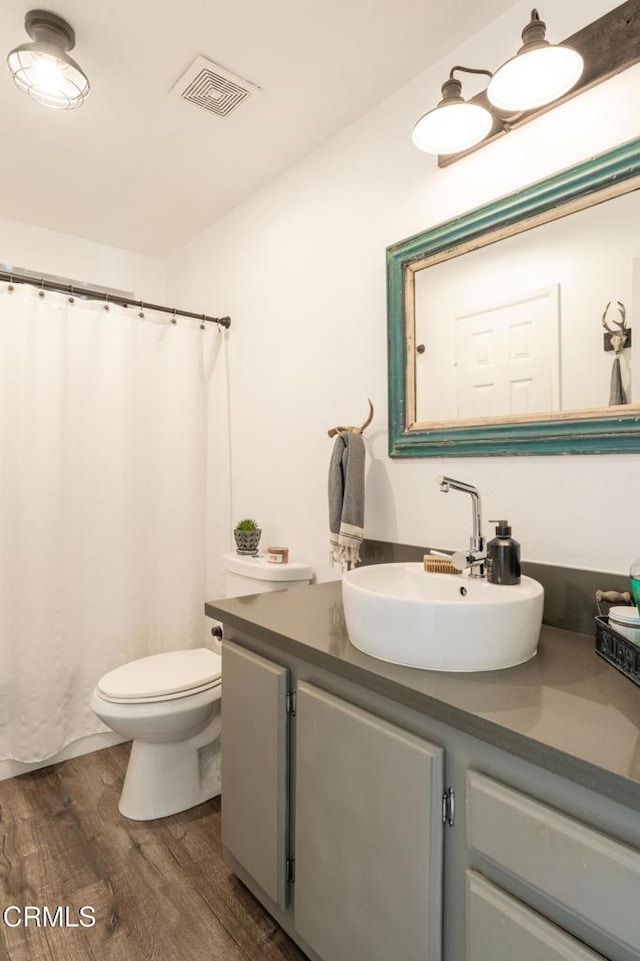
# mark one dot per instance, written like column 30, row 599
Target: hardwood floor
column 160, row 889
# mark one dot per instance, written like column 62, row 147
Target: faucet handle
column 460, row 560
column 473, row 559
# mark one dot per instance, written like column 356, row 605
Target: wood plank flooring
column 160, row 889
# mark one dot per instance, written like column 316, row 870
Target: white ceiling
column 142, row 170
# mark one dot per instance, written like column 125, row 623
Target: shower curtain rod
column 109, row 298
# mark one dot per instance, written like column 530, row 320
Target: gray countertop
column 566, row 710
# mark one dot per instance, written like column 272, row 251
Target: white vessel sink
column 443, row 622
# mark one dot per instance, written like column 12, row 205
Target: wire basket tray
column 622, row 653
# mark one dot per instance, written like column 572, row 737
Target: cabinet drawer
column 499, row 928
column 590, row 876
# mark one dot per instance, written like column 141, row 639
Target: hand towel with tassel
column 346, row 499
column 616, row 390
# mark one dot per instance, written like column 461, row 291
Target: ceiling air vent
column 213, row 88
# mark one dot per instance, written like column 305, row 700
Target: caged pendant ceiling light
column 44, row 69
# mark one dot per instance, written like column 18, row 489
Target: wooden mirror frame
column 593, row 431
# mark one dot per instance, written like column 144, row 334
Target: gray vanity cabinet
column 255, row 819
column 368, row 834
column 332, row 814
column 347, row 805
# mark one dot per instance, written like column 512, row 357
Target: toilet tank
column 255, row 575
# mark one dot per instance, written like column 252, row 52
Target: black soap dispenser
column 503, row 556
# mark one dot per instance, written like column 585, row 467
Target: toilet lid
column 162, row 675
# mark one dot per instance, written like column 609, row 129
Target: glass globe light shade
column 48, row 75
column 453, row 125
column 43, row 69
column 535, row 77
column 452, row 128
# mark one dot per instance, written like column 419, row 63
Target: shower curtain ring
column 10, row 288
column 141, row 311
column 41, row 291
column 173, row 319
column 72, row 299
column 106, row 301
column 202, row 327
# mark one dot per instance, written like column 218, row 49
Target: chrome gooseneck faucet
column 476, row 556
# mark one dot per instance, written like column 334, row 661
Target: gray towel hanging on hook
column 616, row 390
column 619, row 339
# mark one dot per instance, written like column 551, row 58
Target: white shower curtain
column 102, row 485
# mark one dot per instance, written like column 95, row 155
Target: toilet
column 169, row 706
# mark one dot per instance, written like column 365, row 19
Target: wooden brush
column 438, row 565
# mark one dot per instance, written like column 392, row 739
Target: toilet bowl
column 169, row 705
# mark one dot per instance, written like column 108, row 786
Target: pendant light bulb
column 43, row 69
column 453, row 125
column 538, row 74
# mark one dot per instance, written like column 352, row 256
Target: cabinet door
column 368, row 835
column 255, row 767
column 499, row 928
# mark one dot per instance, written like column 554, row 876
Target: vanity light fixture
column 454, row 124
column 539, row 73
column 44, row 69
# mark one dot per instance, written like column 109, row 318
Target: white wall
column 38, row 249
column 301, row 269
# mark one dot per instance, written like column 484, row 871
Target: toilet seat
column 162, row 677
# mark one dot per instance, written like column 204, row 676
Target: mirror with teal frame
column 419, row 426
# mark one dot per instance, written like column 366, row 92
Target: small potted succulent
column 247, row 535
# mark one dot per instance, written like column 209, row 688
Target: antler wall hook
column 618, row 337
column 353, row 430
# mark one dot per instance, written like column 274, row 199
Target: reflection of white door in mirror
column 587, row 258
column 506, row 358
